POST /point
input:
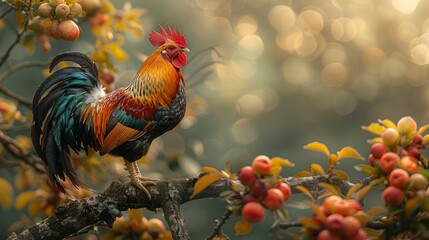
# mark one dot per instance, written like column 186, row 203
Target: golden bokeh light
column 419, row 54
column 344, row 29
column 405, row 6
column 246, row 25
column 311, row 20
column 244, row 131
column 281, row 18
column 334, row 74
column 251, row 46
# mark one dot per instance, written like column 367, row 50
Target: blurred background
column 268, row 77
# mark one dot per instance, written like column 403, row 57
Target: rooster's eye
column 171, row 48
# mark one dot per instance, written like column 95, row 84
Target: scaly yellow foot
column 137, row 179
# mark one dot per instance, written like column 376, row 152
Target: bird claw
column 141, row 182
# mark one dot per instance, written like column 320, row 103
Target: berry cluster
column 337, row 218
column 138, row 227
column 398, row 158
column 263, row 190
column 61, row 14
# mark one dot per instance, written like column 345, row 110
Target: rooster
column 71, row 111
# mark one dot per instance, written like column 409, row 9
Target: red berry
column 330, row 202
column 354, row 206
column 274, row 199
column 328, row 235
column 259, row 189
column 68, row 30
column 372, row 160
column 351, row 227
column 262, row 164
column 399, row 178
column 413, row 151
column 409, row 163
column 361, row 235
column 249, row 198
column 342, row 207
column 417, row 140
column 253, row 212
column 53, row 29
column 393, row 195
column 335, row 223
column 388, row 162
column 378, row 150
column 285, row 189
column 247, row 176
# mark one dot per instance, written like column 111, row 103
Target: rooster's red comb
column 159, row 38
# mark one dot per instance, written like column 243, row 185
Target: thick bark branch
column 102, row 209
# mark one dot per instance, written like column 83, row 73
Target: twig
column 6, row 12
column 20, row 66
column 289, row 224
column 218, row 227
column 14, row 148
column 17, row 97
column 200, row 69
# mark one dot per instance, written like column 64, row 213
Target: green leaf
column 318, row 147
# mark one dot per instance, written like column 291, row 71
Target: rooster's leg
column 137, row 179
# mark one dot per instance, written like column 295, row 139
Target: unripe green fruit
column 407, row 126
column 62, row 10
column 55, row 3
column 75, row 9
column 418, row 182
column 390, row 137
column 45, row 10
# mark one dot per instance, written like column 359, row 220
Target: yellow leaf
column 374, row 128
column 107, row 7
column 367, row 169
column 275, row 170
column 349, row 152
column 34, row 207
column 374, row 211
column 388, row 123
column 318, row 147
column 340, row 174
column 352, row 190
column 412, row 205
column 316, row 168
column 309, row 223
column 306, row 191
column 363, row 192
column 205, row 181
column 333, row 189
column 375, row 140
column 20, row 19
column 422, row 129
column 209, row 170
column 1, row 24
column 278, row 161
column 332, row 159
column 6, row 193
column 135, row 214
column 425, row 139
column 24, row 198
column 242, row 227
column 302, row 174
column 100, row 56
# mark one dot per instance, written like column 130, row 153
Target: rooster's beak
column 185, row 49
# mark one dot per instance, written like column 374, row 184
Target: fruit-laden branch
column 102, row 209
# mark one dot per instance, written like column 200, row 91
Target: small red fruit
column 274, row 199
column 354, row 206
column 372, row 161
column 285, row 189
column 393, row 195
column 68, row 30
column 342, row 207
column 390, row 137
column 389, row 161
column 247, row 176
column 53, row 29
column 378, row 150
column 418, row 182
column 249, row 198
column 262, row 164
column 361, row 235
column 351, row 227
column 335, row 223
column 259, row 189
column 417, row 140
column 328, row 235
column 330, row 202
column 413, row 151
column 253, row 212
column 409, row 164
column 399, row 178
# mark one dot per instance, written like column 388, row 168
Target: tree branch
column 103, row 208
